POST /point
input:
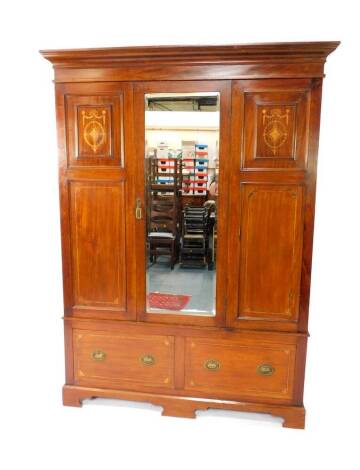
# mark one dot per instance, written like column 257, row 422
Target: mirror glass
column 181, row 179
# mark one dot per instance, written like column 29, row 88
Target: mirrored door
column 183, row 201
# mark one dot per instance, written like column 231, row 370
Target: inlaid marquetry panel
column 97, row 212
column 94, row 128
column 270, row 251
column 276, row 126
column 275, row 131
column 93, row 131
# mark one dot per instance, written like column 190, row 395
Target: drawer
column 240, row 369
column 114, row 360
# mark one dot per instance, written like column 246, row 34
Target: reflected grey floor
column 198, row 283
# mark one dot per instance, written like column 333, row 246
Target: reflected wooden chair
column 163, row 228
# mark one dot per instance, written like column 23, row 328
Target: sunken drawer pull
column 98, row 355
column 147, row 360
column 265, row 369
column 212, row 365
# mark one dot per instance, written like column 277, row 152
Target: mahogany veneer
column 251, row 355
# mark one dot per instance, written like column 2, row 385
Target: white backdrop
column 37, row 432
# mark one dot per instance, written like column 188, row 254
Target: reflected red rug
column 168, row 301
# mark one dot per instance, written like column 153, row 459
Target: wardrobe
column 248, row 353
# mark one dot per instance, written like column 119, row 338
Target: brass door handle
column 98, row 355
column 212, row 364
column 138, row 209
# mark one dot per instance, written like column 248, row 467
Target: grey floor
column 198, row 283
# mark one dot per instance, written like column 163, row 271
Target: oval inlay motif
column 276, row 128
column 94, row 131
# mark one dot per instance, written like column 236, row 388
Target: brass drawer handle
column 212, row 365
column 147, row 360
column 265, row 369
column 98, row 355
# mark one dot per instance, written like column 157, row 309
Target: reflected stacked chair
column 164, row 189
column 195, row 237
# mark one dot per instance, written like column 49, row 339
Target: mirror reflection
column 181, row 175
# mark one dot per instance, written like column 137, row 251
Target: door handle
column 138, row 209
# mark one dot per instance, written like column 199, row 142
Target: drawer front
column 240, row 369
column 114, row 360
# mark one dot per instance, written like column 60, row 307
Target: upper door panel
column 276, row 121
column 94, row 129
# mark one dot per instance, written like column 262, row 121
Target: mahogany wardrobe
column 187, row 245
